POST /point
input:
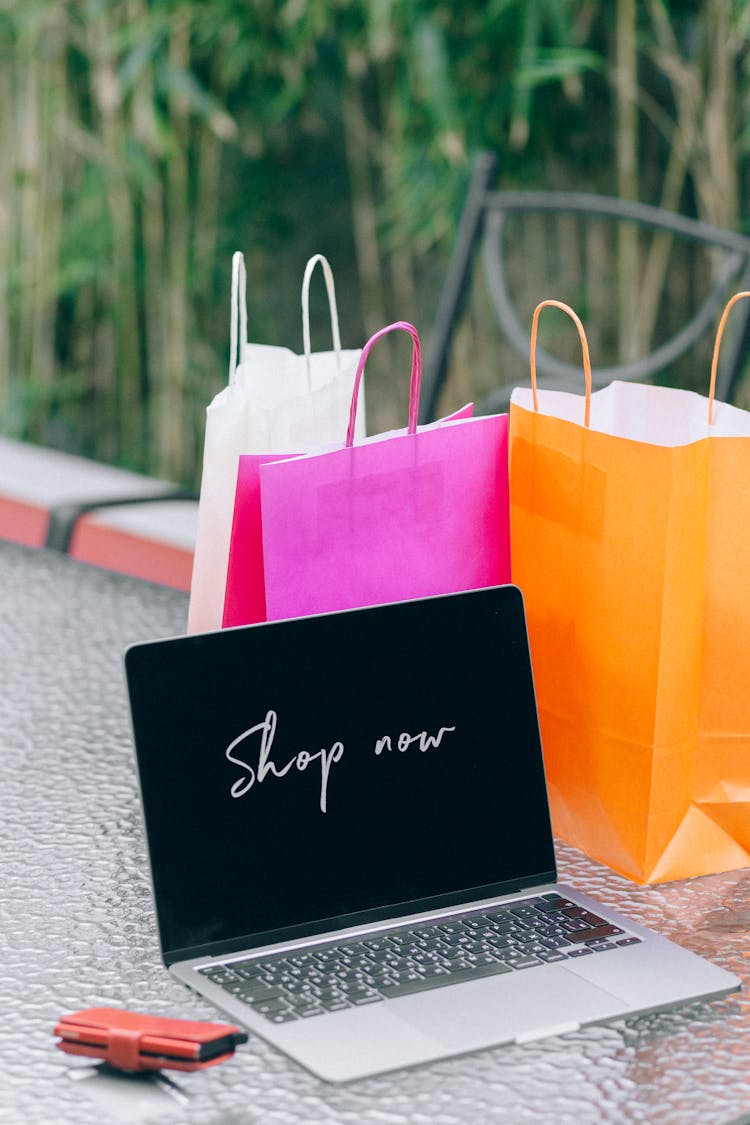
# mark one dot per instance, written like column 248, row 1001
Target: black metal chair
column 484, row 220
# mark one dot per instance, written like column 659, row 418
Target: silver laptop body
column 350, row 843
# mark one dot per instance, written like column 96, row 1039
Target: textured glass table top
column 77, row 926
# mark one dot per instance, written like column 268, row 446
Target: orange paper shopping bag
column 630, row 539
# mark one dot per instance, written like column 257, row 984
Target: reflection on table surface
column 78, row 926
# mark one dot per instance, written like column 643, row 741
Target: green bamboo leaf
column 136, row 61
column 433, row 70
column 553, row 64
column 177, row 80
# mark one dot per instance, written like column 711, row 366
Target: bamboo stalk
column 42, row 363
column 7, row 257
column 37, row 216
column 703, row 128
column 660, row 249
column 597, row 253
column 401, row 265
column 208, row 201
column 125, row 364
column 717, row 176
column 28, row 246
column 209, row 193
column 627, row 172
column 363, row 206
column 173, row 454
column 152, row 236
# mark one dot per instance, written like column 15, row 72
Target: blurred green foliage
column 145, row 140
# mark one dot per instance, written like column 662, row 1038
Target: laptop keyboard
column 398, row 962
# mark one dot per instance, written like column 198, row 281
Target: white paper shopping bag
column 276, row 402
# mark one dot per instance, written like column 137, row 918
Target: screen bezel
column 393, row 912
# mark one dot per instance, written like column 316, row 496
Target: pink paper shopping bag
column 245, row 594
column 405, row 515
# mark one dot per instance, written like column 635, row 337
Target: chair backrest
column 485, row 220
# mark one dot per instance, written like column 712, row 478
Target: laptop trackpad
column 497, row 1009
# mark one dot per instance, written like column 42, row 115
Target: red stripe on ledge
column 22, row 522
column 115, row 549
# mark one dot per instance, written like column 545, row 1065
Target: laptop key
column 219, row 974
column 500, row 941
column 451, row 927
column 500, row 917
column 301, row 1000
column 477, row 924
column 408, row 975
column 331, row 990
column 523, row 911
column 412, row 948
column 553, row 902
column 254, row 990
column 265, row 1007
column 535, row 949
column 433, row 971
column 281, row 1017
column 594, row 933
column 454, row 953
column 236, row 987
column 380, row 955
column 326, row 956
column 527, row 938
column 364, row 964
column 296, row 987
column 433, row 942
column 350, row 975
column 352, row 947
column 593, row 919
column 357, row 995
column 248, row 972
column 382, row 982
column 476, row 947
column 305, row 1013
column 427, row 958
column 443, row 980
column 450, row 941
column 335, row 1005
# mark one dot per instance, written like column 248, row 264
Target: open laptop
column 350, row 841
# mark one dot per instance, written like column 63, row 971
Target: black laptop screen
column 355, row 764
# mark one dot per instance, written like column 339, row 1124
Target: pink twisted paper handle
column 414, row 385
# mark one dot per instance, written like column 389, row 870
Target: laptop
column 350, row 842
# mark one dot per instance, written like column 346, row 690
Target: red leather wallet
column 133, row 1041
